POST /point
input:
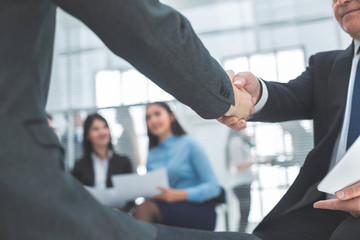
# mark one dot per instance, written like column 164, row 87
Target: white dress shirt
column 340, row 145
column 100, row 169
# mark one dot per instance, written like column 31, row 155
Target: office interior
column 271, row 38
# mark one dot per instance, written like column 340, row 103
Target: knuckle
column 350, row 192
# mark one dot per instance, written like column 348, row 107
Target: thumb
column 239, row 81
column 231, row 74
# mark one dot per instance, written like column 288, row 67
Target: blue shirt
column 187, row 165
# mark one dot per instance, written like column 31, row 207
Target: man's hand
column 348, row 200
column 237, row 115
column 250, row 83
column 171, row 195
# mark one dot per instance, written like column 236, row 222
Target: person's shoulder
column 81, row 161
column 154, row 149
column 328, row 54
column 328, row 57
column 189, row 140
column 79, row 164
column 121, row 157
column 186, row 138
column 324, row 60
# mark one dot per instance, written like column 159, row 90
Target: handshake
column 247, row 92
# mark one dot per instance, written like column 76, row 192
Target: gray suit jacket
column 39, row 200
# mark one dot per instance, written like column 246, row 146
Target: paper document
column 345, row 172
column 109, row 197
column 132, row 186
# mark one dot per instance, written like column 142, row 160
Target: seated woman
column 99, row 161
column 191, row 178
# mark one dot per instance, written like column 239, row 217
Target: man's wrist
column 260, row 90
column 263, row 97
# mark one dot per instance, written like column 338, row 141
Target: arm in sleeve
column 161, row 44
column 209, row 187
column 288, row 101
column 264, row 97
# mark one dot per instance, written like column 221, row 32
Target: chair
column 221, row 203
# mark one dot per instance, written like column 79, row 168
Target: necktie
column 354, row 126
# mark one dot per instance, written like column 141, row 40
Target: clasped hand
column 247, row 91
column 171, row 195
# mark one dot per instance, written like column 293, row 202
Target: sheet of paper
column 132, row 186
column 345, row 172
column 109, row 197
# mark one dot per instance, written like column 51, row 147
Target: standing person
column 239, row 162
column 40, row 201
column 99, row 161
column 329, row 93
column 77, row 136
column 191, row 178
column 51, row 122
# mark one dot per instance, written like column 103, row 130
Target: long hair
column 176, row 128
column 87, row 146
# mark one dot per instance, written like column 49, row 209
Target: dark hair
column 176, row 128
column 87, row 146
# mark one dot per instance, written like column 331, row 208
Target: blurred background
column 271, row 38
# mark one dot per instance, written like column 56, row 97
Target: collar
column 356, row 47
column 110, row 154
column 168, row 140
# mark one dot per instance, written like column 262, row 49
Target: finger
column 239, row 82
column 228, row 120
column 235, row 127
column 162, row 189
column 238, row 126
column 158, row 196
column 242, row 124
column 332, row 204
column 336, row 204
column 350, row 192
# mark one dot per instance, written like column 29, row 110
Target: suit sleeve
column 161, row 44
column 289, row 101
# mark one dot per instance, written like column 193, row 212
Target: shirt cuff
column 192, row 195
column 264, row 97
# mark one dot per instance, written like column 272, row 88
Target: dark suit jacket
column 39, row 200
column 320, row 94
column 84, row 170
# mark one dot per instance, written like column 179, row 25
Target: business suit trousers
column 243, row 194
column 308, row 223
column 174, row 233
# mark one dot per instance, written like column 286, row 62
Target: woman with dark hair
column 187, row 203
column 99, row 161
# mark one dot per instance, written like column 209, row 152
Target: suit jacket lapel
column 110, row 172
column 89, row 172
column 338, row 86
